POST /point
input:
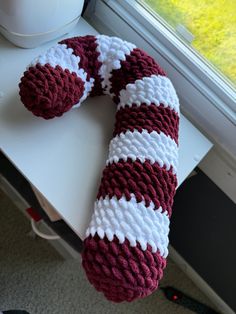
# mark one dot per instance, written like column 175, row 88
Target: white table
column 63, row 158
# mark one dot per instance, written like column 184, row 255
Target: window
column 210, row 28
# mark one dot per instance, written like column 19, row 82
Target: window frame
column 203, row 68
column 202, row 91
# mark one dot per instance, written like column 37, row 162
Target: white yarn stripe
column 64, row 57
column 155, row 89
column 156, row 147
column 131, row 220
column 111, row 51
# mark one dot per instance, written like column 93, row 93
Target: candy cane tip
column 48, row 91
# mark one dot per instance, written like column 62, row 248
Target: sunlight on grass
column 213, row 23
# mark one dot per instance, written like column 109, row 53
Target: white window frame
column 206, row 98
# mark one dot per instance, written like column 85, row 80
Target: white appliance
column 30, row 23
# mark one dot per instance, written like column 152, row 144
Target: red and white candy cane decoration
column 126, row 241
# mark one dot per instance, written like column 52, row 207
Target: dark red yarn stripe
column 150, row 118
column 136, row 66
column 85, row 48
column 146, row 181
column 121, row 272
column 49, row 91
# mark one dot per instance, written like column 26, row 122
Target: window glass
column 208, row 25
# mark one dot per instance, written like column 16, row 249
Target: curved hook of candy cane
column 53, row 83
column 126, row 241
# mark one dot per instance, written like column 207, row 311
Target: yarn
column 111, row 53
column 156, row 89
column 131, row 220
column 126, row 242
column 136, row 66
column 150, row 118
column 86, row 48
column 156, row 147
column 147, row 182
column 49, row 92
column 120, row 271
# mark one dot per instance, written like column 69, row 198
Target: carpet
column 35, row 278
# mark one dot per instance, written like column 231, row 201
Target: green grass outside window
column 213, row 24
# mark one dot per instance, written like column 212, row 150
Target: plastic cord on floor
column 43, row 235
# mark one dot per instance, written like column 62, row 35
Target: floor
column 35, row 278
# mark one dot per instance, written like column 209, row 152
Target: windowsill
column 55, row 156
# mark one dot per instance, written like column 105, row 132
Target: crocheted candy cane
column 126, row 242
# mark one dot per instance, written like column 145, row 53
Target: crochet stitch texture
column 126, row 242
